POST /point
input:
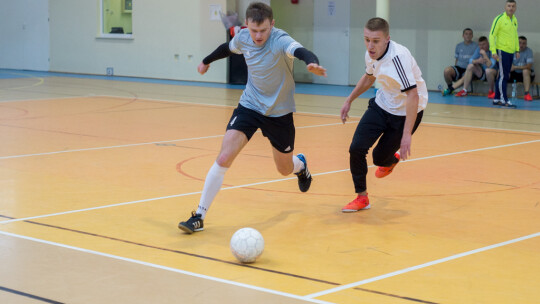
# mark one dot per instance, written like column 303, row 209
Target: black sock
column 450, row 87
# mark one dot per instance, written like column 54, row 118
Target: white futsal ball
column 247, row 244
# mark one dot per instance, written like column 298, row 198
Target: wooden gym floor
column 95, row 175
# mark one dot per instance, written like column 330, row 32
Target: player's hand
column 316, row 69
column 202, row 68
column 405, row 148
column 495, row 56
column 345, row 111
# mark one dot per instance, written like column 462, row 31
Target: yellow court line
column 40, row 82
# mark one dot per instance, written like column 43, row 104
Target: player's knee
column 355, row 150
column 224, row 160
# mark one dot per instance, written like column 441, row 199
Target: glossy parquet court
column 95, row 175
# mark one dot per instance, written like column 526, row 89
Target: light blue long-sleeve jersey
column 270, row 86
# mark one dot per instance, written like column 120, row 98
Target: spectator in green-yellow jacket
column 504, row 42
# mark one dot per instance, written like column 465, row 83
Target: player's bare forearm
column 480, row 61
column 410, row 119
column 363, row 84
column 411, row 110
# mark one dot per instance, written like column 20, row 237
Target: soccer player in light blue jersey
column 522, row 67
column 267, row 103
column 453, row 75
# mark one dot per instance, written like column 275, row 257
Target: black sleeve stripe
column 401, row 72
column 409, row 88
column 306, row 55
column 221, row 52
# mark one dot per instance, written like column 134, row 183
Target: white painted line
column 255, row 184
column 439, row 261
column 481, row 128
column 100, row 207
column 215, row 136
column 327, row 114
column 44, row 99
column 476, row 150
column 308, row 297
column 205, row 137
column 159, row 198
column 109, row 147
column 266, row 290
column 146, row 143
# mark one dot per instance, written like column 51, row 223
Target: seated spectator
column 464, row 51
column 481, row 66
column 522, row 67
column 491, row 76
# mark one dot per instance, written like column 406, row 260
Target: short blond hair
column 378, row 24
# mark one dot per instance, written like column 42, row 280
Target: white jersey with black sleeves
column 397, row 72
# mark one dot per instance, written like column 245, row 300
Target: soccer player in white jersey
column 266, row 103
column 392, row 115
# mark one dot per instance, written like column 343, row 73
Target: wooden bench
column 480, row 88
column 534, row 85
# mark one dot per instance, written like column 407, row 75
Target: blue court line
column 480, row 101
column 301, row 88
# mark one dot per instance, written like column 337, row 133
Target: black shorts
column 518, row 77
column 483, row 77
column 279, row 130
column 459, row 72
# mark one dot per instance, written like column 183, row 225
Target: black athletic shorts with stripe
column 279, row 130
column 459, row 71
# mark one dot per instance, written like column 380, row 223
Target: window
column 116, row 18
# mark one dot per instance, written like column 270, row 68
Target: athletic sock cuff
column 218, row 169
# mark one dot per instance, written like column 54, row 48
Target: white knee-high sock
column 298, row 164
column 212, row 184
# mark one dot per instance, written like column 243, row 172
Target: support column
column 383, row 9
